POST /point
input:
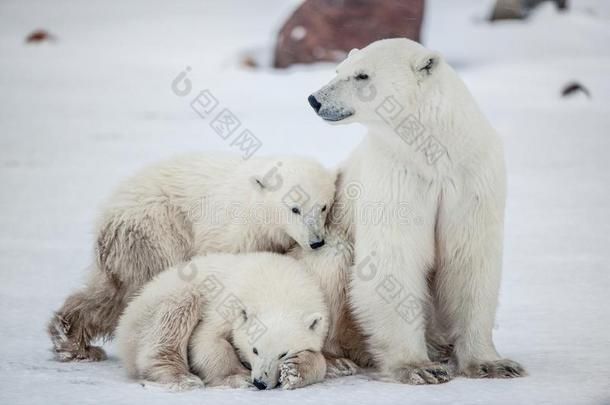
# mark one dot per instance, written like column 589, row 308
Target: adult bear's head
column 373, row 84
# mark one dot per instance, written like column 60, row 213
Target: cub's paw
column 302, row 369
column 340, row 367
column 429, row 373
column 232, row 381
column 90, row 353
column 186, row 382
column 290, row 377
column 504, row 368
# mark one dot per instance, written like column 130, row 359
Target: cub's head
column 392, row 67
column 297, row 194
column 284, row 336
column 284, row 314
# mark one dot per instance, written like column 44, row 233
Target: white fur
column 190, row 205
column 274, row 290
column 454, row 236
column 222, row 197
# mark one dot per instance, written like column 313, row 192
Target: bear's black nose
column 259, row 384
column 316, row 245
column 314, row 103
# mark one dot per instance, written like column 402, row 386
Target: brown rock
column 39, row 36
column 520, row 9
column 325, row 30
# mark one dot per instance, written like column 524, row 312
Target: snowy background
column 79, row 114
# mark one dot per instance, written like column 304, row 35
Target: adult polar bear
column 428, row 146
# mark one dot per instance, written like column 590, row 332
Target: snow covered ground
column 79, row 114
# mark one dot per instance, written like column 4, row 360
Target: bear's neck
column 447, row 128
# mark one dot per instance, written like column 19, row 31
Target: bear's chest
column 396, row 204
column 396, row 186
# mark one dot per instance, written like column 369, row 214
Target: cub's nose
column 316, row 245
column 259, row 384
column 314, row 103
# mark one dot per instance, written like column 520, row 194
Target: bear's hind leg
column 130, row 250
column 213, row 358
column 86, row 315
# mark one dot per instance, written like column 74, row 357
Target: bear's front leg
column 467, row 281
column 240, row 380
column 389, row 296
column 164, row 343
column 304, row 368
column 339, row 367
column 214, row 359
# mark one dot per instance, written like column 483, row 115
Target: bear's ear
column 427, row 64
column 257, row 183
column 240, row 320
column 352, row 52
column 243, row 317
column 313, row 321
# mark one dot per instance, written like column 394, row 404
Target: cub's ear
column 257, row 183
column 242, row 318
column 314, row 321
column 427, row 64
column 271, row 180
column 352, row 52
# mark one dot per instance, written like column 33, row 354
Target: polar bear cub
column 190, row 205
column 222, row 314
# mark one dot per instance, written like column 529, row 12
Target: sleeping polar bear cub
column 221, row 314
column 186, row 206
column 435, row 166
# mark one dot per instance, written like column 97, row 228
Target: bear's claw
column 290, row 378
column 504, row 368
column 432, row 373
column 90, row 353
column 340, row 367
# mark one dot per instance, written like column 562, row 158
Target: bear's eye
column 324, row 208
column 296, row 210
column 282, row 355
column 246, row 365
column 362, row 76
column 255, row 351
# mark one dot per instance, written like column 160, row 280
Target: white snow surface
column 81, row 113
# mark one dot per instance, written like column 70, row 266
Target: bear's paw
column 430, row 373
column 503, row 368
